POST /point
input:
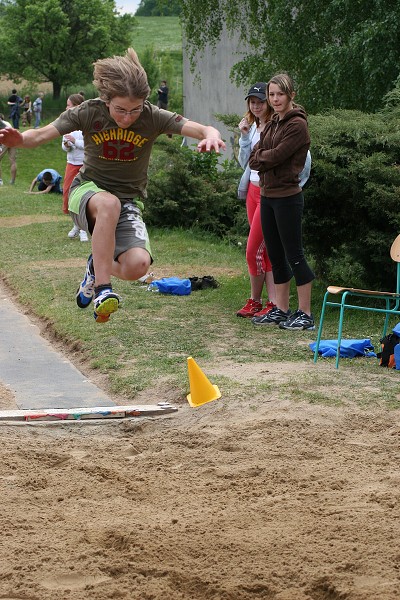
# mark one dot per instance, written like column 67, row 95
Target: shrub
column 352, row 208
column 192, row 190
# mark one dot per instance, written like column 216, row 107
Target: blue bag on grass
column 172, row 285
column 348, row 348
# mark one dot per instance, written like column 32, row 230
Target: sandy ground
column 240, row 499
column 233, row 500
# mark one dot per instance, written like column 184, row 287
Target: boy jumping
column 119, row 127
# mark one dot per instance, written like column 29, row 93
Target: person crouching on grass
column 48, row 181
column 119, row 127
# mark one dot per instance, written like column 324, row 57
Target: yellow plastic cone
column 201, row 389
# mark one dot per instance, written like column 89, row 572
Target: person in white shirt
column 12, row 154
column 73, row 144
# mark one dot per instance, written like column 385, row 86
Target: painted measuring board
column 77, row 414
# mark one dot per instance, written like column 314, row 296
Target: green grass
column 164, row 36
column 147, row 342
column 163, row 33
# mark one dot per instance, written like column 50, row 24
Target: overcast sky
column 127, row 6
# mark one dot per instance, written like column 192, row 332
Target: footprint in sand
column 73, row 581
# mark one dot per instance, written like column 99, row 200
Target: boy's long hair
column 121, row 76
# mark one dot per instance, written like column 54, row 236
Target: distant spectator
column 48, row 181
column 163, row 95
column 37, row 109
column 26, row 111
column 14, row 102
column 12, row 154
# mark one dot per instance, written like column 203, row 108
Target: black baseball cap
column 259, row 90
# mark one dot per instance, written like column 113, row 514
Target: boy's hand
column 209, row 144
column 10, row 137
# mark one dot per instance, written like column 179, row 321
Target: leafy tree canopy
column 58, row 40
column 342, row 54
column 159, row 8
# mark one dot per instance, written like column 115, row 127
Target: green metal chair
column 391, row 302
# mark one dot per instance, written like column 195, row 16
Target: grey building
column 209, row 90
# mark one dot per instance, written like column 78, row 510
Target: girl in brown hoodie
column 279, row 158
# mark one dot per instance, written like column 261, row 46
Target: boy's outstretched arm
column 210, row 138
column 12, row 138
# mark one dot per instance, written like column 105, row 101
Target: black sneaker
column 202, row 283
column 274, row 317
column 299, row 320
column 210, row 282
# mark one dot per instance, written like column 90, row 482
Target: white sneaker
column 74, row 232
column 1, row 182
column 83, row 236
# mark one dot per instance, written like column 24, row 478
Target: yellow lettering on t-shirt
column 119, row 134
column 140, row 142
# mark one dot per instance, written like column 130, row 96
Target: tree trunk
column 56, row 90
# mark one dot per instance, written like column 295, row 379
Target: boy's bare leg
column 131, row 265
column 103, row 211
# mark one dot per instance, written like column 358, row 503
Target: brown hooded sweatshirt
column 280, row 155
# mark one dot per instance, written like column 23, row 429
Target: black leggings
column 281, row 225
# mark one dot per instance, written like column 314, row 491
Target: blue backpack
column 171, row 285
column 348, row 348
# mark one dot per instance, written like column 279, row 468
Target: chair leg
column 386, row 322
column 340, row 330
column 321, row 323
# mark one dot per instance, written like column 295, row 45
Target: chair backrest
column 395, row 255
column 395, row 250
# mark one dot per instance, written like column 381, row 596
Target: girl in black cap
column 259, row 266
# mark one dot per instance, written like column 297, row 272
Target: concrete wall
column 209, row 89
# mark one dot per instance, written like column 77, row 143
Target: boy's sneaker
column 272, row 317
column 269, row 306
column 85, row 292
column 83, row 236
column 250, row 308
column 298, row 321
column 74, row 232
column 105, row 304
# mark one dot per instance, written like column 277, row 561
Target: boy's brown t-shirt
column 117, row 159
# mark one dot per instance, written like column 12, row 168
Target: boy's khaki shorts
column 131, row 230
